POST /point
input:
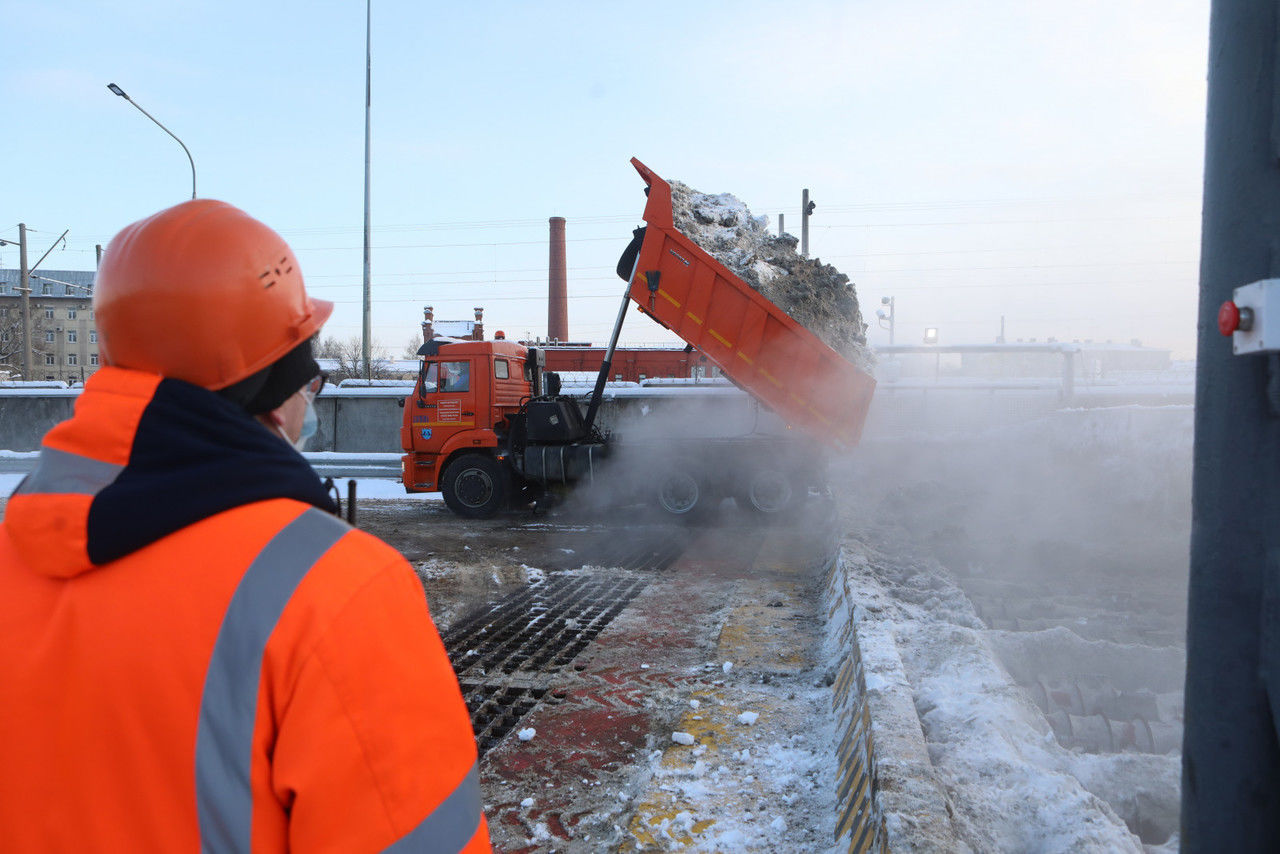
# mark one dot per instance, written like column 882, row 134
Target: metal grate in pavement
column 495, row 709
column 644, row 550
column 541, row 628
column 507, row 655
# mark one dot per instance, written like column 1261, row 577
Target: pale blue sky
column 1032, row 159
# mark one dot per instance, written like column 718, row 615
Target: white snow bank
column 990, row 760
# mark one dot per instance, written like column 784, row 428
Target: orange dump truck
column 487, row 426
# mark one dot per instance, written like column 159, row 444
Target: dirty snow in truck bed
column 817, row 295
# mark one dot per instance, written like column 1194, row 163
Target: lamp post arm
column 175, row 136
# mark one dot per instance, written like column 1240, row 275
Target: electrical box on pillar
column 1244, row 317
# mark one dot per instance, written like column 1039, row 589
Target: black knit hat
column 272, row 386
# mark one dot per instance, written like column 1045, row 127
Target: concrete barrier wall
column 367, row 420
column 353, row 423
column 26, row 416
column 360, row 421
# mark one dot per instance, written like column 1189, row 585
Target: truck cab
column 465, row 396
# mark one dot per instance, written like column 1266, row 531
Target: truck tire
column 679, row 493
column 476, row 486
column 770, row 491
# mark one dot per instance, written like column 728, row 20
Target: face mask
column 310, row 423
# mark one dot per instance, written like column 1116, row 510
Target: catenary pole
column 366, row 328
column 24, row 289
column 1230, row 759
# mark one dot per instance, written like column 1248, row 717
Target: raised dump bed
column 753, row 342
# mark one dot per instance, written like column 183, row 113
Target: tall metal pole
column 1230, row 758
column 24, row 288
column 804, row 223
column 367, row 329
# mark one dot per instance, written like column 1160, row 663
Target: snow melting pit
column 1117, row 709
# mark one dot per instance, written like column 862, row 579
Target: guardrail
column 326, row 464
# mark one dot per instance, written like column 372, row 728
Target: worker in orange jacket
column 195, row 652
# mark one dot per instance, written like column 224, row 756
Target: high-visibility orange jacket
column 195, row 655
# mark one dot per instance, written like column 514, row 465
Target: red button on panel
column 1228, row 318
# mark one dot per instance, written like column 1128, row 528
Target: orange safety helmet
column 201, row 292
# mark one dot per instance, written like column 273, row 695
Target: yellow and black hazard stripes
column 860, row 823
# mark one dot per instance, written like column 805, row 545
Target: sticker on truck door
column 449, row 410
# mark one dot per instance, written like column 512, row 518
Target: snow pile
column 816, row 295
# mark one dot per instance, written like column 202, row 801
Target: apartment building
column 64, row 339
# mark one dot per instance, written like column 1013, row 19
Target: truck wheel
column 769, row 491
column 475, row 486
column 680, row 494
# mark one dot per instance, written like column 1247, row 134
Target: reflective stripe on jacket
column 262, row 678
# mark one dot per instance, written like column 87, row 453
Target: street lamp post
column 886, row 316
column 806, row 211
column 117, row 90
column 366, row 328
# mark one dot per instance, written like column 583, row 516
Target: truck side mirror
column 552, row 380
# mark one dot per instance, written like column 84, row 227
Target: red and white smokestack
column 558, row 285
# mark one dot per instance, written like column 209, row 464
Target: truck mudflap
column 550, row 464
column 753, row 342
